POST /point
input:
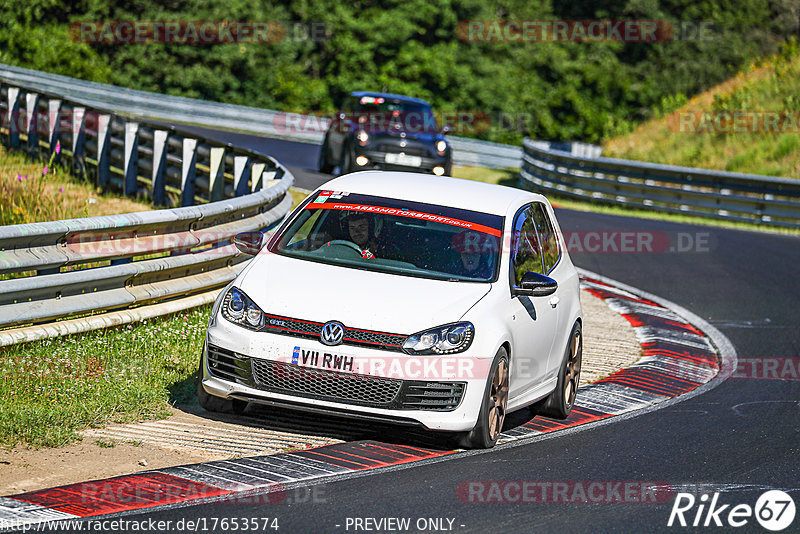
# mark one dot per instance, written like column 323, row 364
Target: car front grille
column 277, row 324
column 333, row 386
column 408, row 150
column 438, row 396
column 350, row 388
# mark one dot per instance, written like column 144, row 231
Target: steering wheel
column 344, row 243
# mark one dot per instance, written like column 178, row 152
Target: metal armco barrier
column 257, row 121
column 131, row 155
column 180, row 253
column 730, row 196
column 81, row 274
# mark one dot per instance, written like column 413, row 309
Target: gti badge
column 332, row 333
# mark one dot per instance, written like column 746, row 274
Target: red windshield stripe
column 405, row 213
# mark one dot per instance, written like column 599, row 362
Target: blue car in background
column 388, row 132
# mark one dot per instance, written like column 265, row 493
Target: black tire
column 215, row 404
column 347, row 160
column 493, row 407
column 558, row 404
column 448, row 168
column 323, row 164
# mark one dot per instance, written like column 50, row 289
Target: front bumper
column 377, row 160
column 257, row 367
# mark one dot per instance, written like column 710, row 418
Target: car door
column 533, row 320
column 551, row 259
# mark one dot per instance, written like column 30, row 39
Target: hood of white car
column 357, row 298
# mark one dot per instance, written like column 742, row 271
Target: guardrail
column 101, row 271
column 730, row 196
column 257, row 121
column 132, row 155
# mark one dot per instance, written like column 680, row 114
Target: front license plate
column 320, row 359
column 403, row 159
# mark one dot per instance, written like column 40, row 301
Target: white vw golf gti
column 406, row 298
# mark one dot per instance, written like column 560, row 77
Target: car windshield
column 384, row 114
column 394, row 236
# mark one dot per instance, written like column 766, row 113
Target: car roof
column 359, row 94
column 431, row 189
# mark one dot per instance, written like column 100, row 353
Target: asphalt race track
column 739, row 439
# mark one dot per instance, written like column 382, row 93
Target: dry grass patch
column 29, row 195
column 769, row 87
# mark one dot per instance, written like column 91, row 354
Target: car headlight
column 441, row 146
column 239, row 309
column 447, row 339
column 362, row 137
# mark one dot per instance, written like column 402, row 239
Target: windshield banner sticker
column 381, row 210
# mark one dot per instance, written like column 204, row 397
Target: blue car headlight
column 240, row 309
column 447, row 339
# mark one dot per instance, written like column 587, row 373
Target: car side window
column 547, row 237
column 526, row 252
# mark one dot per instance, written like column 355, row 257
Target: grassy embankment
column 48, row 389
column 51, row 389
column 686, row 137
column 28, row 195
column 771, row 86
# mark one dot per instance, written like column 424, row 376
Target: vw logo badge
column 332, row 333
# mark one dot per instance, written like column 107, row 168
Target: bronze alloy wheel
column 492, row 413
column 572, row 374
column 498, row 400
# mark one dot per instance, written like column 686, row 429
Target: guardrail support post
column 78, row 140
column 240, row 167
column 256, row 173
column 32, row 123
column 267, row 177
column 159, row 166
column 131, row 158
column 189, row 163
column 103, row 149
column 13, row 117
column 53, row 128
column 216, row 178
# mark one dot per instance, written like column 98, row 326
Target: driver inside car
column 359, row 230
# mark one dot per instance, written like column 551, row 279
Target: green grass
column 297, row 196
column 29, row 195
column 510, row 178
column 52, row 389
column 770, row 86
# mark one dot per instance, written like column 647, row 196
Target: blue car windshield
column 384, row 115
column 394, row 236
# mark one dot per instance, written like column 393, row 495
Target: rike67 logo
column 774, row 510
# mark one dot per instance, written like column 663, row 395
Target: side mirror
column 248, row 242
column 446, row 129
column 535, row 285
